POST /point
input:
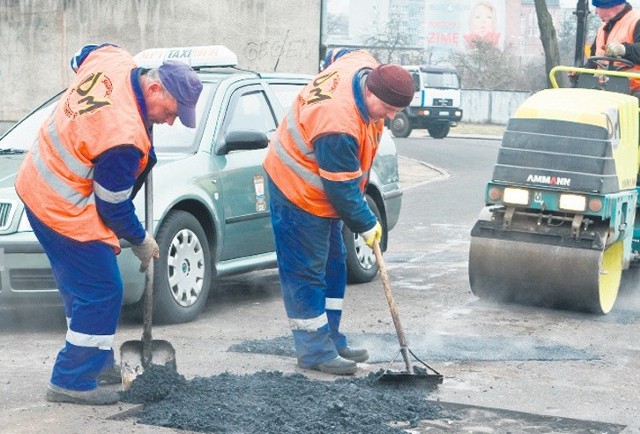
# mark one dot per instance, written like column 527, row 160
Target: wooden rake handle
column 404, row 349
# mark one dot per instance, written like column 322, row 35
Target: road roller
column 559, row 226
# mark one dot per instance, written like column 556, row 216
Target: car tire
column 361, row 261
column 400, row 126
column 182, row 276
column 439, row 130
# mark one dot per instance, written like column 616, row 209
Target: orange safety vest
column 325, row 106
column 98, row 111
column 622, row 31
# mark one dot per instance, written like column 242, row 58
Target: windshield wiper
column 9, row 151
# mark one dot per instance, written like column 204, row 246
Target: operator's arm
column 340, row 171
column 114, row 177
column 632, row 50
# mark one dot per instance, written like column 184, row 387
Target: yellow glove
column 373, row 234
column 615, row 49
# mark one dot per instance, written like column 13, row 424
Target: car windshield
column 22, row 135
column 175, row 138
column 443, row 80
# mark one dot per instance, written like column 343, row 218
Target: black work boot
column 358, row 355
column 98, row 396
column 110, row 375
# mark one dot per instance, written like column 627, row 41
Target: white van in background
column 436, row 103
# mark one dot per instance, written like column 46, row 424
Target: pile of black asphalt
column 272, row 402
column 275, row 403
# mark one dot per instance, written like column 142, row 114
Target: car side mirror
column 243, row 140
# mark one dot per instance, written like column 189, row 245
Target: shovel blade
column 133, row 363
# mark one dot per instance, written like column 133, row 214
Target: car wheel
column 361, row 261
column 400, row 125
column 439, row 130
column 182, row 275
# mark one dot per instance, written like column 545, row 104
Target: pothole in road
column 274, row 403
column 383, row 347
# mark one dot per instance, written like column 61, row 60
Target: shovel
column 424, row 374
column 136, row 356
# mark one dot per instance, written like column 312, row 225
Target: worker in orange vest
column 619, row 35
column 78, row 182
column 318, row 166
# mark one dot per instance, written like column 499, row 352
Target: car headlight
column 515, row 196
column 572, row 202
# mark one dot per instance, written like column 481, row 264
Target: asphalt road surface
column 506, row 368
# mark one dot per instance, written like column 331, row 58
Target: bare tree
column 567, row 35
column 484, row 66
column 549, row 39
column 392, row 38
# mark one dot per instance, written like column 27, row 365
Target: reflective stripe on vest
column 75, row 166
column 98, row 112
column 325, row 106
column 307, row 175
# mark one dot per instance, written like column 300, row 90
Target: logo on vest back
column 92, row 93
column 323, row 87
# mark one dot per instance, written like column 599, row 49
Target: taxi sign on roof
column 196, row 57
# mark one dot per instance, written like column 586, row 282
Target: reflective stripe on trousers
column 312, row 267
column 90, row 285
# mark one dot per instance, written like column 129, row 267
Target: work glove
column 615, row 49
column 373, row 234
column 145, row 251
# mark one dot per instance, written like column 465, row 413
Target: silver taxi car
column 210, row 204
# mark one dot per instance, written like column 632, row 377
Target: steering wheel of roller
column 609, row 63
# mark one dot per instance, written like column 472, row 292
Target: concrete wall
column 39, row 36
column 482, row 106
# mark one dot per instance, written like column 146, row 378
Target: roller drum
column 544, row 274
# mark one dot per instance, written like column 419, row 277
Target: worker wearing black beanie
column 318, row 166
column 392, row 84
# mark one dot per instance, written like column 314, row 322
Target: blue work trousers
column 312, row 267
column 90, row 285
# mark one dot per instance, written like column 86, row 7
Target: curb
column 474, row 136
column 422, row 134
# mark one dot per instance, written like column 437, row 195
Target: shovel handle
column 147, row 312
column 404, row 349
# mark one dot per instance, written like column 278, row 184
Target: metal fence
column 481, row 106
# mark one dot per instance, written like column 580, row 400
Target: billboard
column 456, row 24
